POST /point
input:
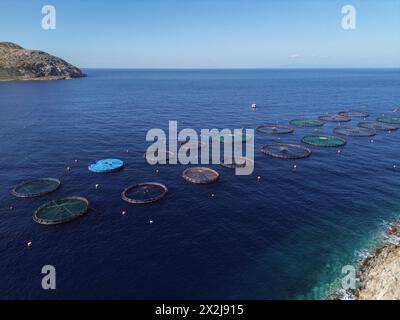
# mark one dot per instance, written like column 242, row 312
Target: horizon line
column 240, row 68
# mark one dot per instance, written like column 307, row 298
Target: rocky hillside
column 17, row 63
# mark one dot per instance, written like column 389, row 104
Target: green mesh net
column 323, row 140
column 35, row 188
column 61, row 211
column 306, row 123
column 389, row 119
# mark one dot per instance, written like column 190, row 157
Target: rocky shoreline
column 379, row 273
column 17, row 63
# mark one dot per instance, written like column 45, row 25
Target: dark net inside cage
column 306, row 123
column 285, row 151
column 389, row 119
column 60, row 211
column 334, row 118
column 144, row 192
column 200, row 175
column 35, row 188
column 236, row 162
column 274, row 129
column 355, row 131
column 379, row 126
column 354, row 113
column 323, row 140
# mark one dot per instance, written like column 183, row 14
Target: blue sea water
column 284, row 237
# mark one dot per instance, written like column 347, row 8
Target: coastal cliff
column 380, row 273
column 17, row 63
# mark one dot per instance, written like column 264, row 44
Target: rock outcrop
column 380, row 273
column 17, row 63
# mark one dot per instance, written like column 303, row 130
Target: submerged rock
column 17, row 63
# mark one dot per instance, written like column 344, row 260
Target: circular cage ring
column 323, row 140
column 61, row 211
column 274, row 129
column 236, row 162
column 307, row 123
column 354, row 114
column 146, row 192
column 355, row 131
column 389, row 120
column 106, row 166
column 36, row 188
column 200, row 175
column 334, row 118
column 378, row 126
column 285, row 151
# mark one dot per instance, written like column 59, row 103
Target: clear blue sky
column 208, row 33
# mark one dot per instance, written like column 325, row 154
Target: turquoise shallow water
column 284, row 237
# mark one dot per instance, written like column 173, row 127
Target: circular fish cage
column 200, row 175
column 36, row 188
column 106, row 166
column 274, row 129
column 389, row 120
column 306, row 123
column 236, row 162
column 323, row 140
column 378, row 126
column 355, row 131
column 146, row 192
column 285, row 151
column 334, row 118
column 354, row 114
column 157, row 157
column 61, row 211
column 233, row 138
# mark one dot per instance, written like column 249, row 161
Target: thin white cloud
column 295, row 56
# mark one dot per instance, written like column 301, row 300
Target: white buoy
column 258, row 178
column 97, row 185
column 123, row 213
column 295, row 167
column 151, row 221
column 29, row 244
column 76, row 160
column 253, row 106
column 68, row 169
